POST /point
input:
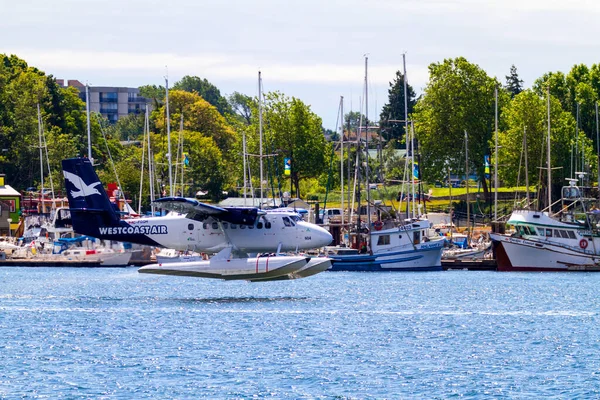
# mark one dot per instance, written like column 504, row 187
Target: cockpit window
column 287, row 221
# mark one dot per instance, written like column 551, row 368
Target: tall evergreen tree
column 514, row 85
column 394, row 110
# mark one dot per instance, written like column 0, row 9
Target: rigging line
column 47, row 157
column 142, row 168
column 519, row 173
column 331, row 162
column 276, row 167
column 121, row 192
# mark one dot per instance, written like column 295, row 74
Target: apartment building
column 112, row 102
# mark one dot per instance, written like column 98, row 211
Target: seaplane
column 236, row 235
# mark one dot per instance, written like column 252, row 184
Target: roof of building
column 7, row 190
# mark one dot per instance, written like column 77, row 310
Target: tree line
column 459, row 97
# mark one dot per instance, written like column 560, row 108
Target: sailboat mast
column 89, row 130
column 367, row 172
column 41, row 151
column 342, row 155
column 548, row 161
column 260, row 134
column 181, row 158
column 467, row 182
column 169, row 138
column 244, row 164
column 526, row 166
column 412, row 173
column 496, row 158
column 405, row 97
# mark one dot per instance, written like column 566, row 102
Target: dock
column 40, row 263
column 469, row 265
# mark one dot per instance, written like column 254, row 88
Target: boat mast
column 41, row 154
column 467, row 183
column 367, row 153
column 169, row 138
column 342, row 156
column 260, row 136
column 548, row 160
column 412, row 173
column 526, row 167
column 496, row 158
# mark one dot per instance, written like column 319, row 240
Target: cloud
column 215, row 66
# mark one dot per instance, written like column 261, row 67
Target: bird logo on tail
column 82, row 189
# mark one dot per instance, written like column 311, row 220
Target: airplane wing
column 193, row 207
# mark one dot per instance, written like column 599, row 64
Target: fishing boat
column 389, row 245
column 400, row 248
column 565, row 241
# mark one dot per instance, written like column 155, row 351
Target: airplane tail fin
column 89, row 204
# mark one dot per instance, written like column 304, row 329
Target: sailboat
column 568, row 240
column 392, row 247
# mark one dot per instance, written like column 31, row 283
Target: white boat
column 566, row 241
column 460, row 247
column 401, row 248
column 171, row 255
column 108, row 257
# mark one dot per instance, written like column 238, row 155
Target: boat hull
column 518, row 254
column 427, row 257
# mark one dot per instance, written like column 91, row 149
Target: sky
column 313, row 50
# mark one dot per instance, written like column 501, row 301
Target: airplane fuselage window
column 215, row 225
column 205, row 226
column 268, row 225
column 259, row 225
column 233, row 226
column 190, row 227
column 242, row 226
column 225, row 225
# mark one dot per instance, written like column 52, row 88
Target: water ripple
column 117, row 334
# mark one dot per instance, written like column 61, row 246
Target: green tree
column 353, row 119
column 241, row 105
column 207, row 90
column 527, row 113
column 459, row 97
column 514, row 85
column 392, row 113
column 291, row 130
column 200, row 119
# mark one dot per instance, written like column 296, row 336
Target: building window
column 109, row 97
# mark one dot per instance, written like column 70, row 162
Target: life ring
column 377, row 225
column 583, row 244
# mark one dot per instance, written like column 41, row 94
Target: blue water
column 114, row 333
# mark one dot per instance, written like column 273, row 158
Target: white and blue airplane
column 232, row 232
